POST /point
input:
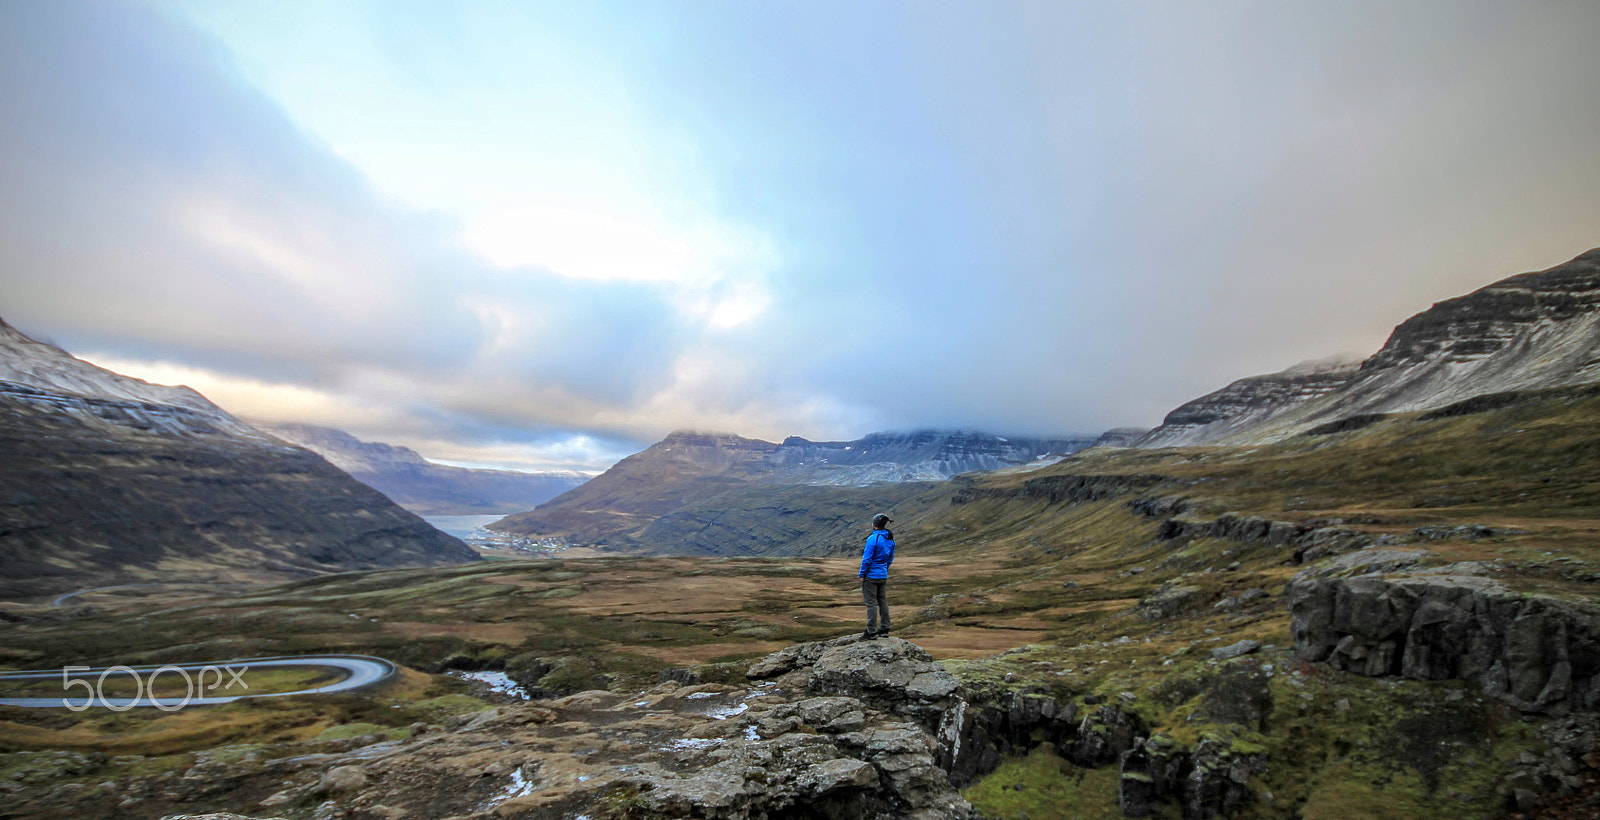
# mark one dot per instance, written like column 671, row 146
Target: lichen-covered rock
column 889, row 673
column 791, row 658
column 1234, row 650
column 749, row 779
column 344, row 779
column 839, row 773
column 831, row 715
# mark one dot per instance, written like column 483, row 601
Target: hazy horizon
column 543, row 235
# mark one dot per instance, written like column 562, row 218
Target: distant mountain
column 1121, row 436
column 1527, row 332
column 681, row 493
column 422, row 486
column 105, row 478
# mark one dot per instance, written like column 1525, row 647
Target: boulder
column 341, row 779
column 1243, row 647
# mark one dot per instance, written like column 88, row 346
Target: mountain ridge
column 1529, row 331
column 105, row 478
column 677, row 494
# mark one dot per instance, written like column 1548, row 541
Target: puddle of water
column 695, row 743
column 701, row 695
column 728, row 711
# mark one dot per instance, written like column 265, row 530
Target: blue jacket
column 877, row 556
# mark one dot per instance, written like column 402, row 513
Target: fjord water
column 460, row 526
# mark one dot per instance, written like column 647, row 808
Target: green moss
column 449, row 706
column 349, row 730
column 1042, row 786
column 1348, row 790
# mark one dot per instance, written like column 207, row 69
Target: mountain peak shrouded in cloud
column 543, row 235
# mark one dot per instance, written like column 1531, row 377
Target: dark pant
column 875, row 592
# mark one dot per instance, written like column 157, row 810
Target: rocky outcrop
column 1539, row 652
column 1529, row 332
column 890, row 674
column 1305, row 542
column 974, row 730
column 100, row 488
column 1058, row 489
column 422, row 486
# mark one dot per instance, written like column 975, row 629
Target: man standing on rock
column 875, row 561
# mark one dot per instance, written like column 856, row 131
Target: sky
column 542, row 235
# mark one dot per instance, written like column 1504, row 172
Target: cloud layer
column 537, row 235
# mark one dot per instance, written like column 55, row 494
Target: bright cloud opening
column 584, row 244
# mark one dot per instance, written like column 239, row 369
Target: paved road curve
column 363, row 670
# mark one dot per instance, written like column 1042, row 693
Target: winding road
column 364, row 670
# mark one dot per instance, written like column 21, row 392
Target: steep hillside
column 106, row 479
column 421, row 486
column 1249, row 402
column 1527, row 332
column 699, row 493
